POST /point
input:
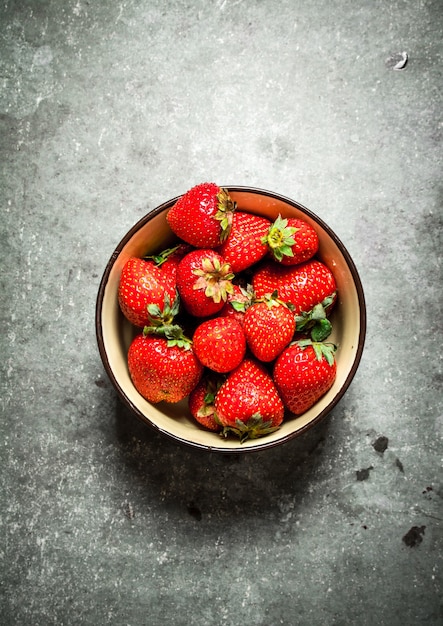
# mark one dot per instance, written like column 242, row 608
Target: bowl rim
column 260, row 444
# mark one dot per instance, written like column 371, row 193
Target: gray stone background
column 109, row 108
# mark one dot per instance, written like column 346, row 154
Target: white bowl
column 114, row 333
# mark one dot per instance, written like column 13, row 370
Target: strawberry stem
column 162, row 256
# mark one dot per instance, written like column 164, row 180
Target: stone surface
column 107, row 110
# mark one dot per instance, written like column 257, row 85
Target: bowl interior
column 114, row 333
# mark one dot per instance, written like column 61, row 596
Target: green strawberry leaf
column 321, row 330
column 318, row 312
column 254, row 428
column 328, row 350
column 316, row 320
column 279, row 238
column 173, row 333
column 161, row 257
column 321, row 349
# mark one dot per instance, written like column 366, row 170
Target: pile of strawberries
column 234, row 317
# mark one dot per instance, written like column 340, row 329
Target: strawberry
column 303, row 286
column 163, row 368
column 243, row 246
column 248, row 404
column 291, row 241
column 220, row 344
column 204, row 282
column 303, row 373
column 269, row 326
column 202, row 216
column 201, row 401
column 148, row 281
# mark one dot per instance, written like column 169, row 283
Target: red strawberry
column 304, row 286
column 243, row 247
column 162, row 368
column 203, row 282
column 303, row 373
column 202, row 216
column 291, row 241
column 201, row 401
column 148, row 281
column 238, row 302
column 269, row 326
column 248, row 404
column 220, row 344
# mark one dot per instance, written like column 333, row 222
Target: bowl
column 114, row 333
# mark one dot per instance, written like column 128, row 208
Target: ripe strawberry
column 304, row 286
column 203, row 282
column 291, row 241
column 202, row 216
column 248, row 404
column 243, row 247
column 269, row 326
column 303, row 373
column 148, row 281
column 220, row 344
column 201, row 401
column 162, row 368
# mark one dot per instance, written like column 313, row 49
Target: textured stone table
column 107, row 110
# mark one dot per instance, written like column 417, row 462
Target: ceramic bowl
column 114, row 333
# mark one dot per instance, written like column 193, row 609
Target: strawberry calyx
column 225, row 211
column 243, row 301
column 173, row 333
column 279, row 238
column 213, row 384
column 215, row 278
column 254, row 428
column 165, row 317
column 272, row 300
column 161, row 323
column 322, row 350
column 315, row 321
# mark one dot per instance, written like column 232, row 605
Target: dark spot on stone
column 194, row 511
column 380, row 444
column 318, row 447
column 414, row 536
column 365, row 527
column 363, row 474
column 128, row 510
column 100, row 382
column 399, row 464
column 428, row 492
